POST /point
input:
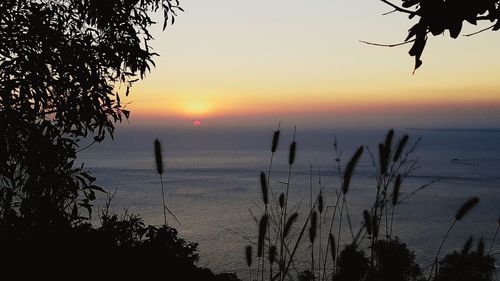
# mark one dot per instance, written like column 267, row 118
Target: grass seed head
column 397, row 188
column 289, row 223
column 276, row 138
column 350, row 169
column 262, row 234
column 466, row 207
column 248, row 254
column 263, row 185
column 368, row 222
column 401, row 146
column 291, row 156
column 158, row 157
column 314, row 224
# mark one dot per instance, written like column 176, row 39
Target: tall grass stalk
column 466, row 207
column 395, row 197
column 345, row 188
column 320, row 210
column 274, row 147
column 159, row 169
column 494, row 236
column 266, row 189
column 297, row 242
column 248, row 255
column 345, row 183
column 392, row 166
column 291, row 160
column 312, row 237
column 265, row 200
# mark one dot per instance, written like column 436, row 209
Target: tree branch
column 477, row 32
column 397, row 8
column 387, row 45
column 387, row 13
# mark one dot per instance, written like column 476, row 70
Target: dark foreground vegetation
column 120, row 249
column 63, row 67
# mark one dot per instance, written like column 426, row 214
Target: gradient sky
column 251, row 63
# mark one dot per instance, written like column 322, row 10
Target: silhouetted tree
column 437, row 16
column 63, row 66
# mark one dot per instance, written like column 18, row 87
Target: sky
column 241, row 63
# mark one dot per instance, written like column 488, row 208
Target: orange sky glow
column 225, row 64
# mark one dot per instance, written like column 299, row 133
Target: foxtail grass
column 262, row 234
column 284, row 204
column 248, row 255
column 401, row 146
column 466, row 207
column 264, row 188
column 312, row 237
column 289, row 223
column 159, row 169
column 395, row 197
column 279, row 247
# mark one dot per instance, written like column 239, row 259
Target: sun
column 197, row 108
column 196, row 123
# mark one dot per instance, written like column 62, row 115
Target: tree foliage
column 63, row 66
column 437, row 16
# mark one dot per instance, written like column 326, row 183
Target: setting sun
column 197, row 108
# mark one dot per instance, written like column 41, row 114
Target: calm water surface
column 212, row 183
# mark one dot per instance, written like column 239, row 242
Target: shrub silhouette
column 467, row 265
column 352, row 264
column 121, row 248
column 394, row 262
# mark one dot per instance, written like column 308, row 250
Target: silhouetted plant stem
column 340, row 226
column 320, row 209
column 248, row 255
column 164, row 205
column 466, row 207
column 291, row 160
column 330, row 228
column 392, row 220
column 265, row 199
column 395, row 196
column 348, row 217
column 310, row 207
column 159, row 169
column 494, row 237
column 331, row 239
column 435, row 262
column 312, row 259
column 295, row 247
column 274, row 146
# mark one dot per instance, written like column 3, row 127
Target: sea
column 211, row 182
